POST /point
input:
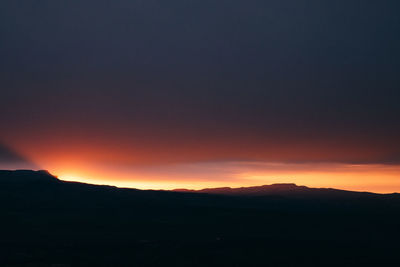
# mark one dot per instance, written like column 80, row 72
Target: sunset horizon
column 192, row 133
column 332, row 176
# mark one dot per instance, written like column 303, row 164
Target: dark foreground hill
column 48, row 222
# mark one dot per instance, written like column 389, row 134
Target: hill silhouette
column 49, row 222
column 26, row 176
column 286, row 189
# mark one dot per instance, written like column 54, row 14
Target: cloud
column 10, row 159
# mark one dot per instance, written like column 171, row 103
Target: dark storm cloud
column 288, row 72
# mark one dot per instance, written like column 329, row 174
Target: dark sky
column 281, row 80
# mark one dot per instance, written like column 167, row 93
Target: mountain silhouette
column 26, row 176
column 49, row 222
column 285, row 189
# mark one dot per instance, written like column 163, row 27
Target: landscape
column 49, row 222
column 208, row 133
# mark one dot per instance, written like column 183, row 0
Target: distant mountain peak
column 273, row 189
column 271, row 186
column 283, row 185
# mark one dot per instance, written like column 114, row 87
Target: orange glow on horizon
column 197, row 165
column 371, row 178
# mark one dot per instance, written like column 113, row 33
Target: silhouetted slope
column 26, row 176
column 278, row 189
column 46, row 222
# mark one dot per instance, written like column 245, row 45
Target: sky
column 184, row 93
